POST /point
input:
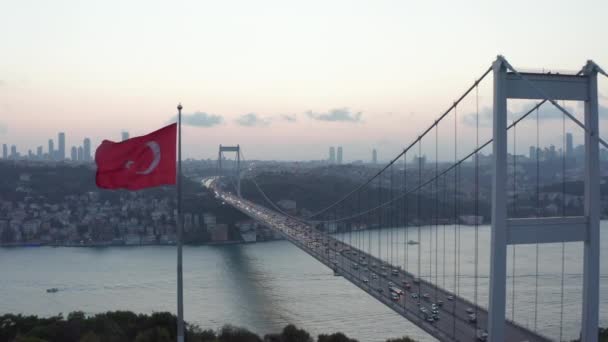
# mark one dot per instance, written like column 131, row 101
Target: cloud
column 200, row 119
column 251, row 120
column 546, row 112
column 289, row 118
column 337, row 114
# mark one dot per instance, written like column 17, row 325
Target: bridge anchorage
column 436, row 285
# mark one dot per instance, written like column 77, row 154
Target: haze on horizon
column 284, row 79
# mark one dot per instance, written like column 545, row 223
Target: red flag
column 139, row 162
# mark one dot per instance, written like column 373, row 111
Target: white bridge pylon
column 511, row 84
column 220, row 156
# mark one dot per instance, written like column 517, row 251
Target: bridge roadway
column 375, row 277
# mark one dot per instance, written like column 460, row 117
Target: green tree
column 156, row 334
column 21, row 338
column 336, row 337
column 229, row 333
column 90, row 337
column 292, row 334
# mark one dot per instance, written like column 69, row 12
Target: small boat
column 412, row 242
column 52, row 290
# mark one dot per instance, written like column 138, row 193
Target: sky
column 284, row 79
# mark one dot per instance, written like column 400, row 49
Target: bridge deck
column 373, row 275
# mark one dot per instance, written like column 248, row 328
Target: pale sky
column 285, row 79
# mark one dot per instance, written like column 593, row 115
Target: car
column 416, row 280
column 414, row 295
column 395, row 272
column 482, row 335
column 394, row 297
column 440, row 303
column 430, row 319
column 374, row 276
column 426, row 296
column 472, row 318
column 470, row 311
column 365, row 280
column 380, row 290
column 390, row 283
column 450, row 297
column 434, row 306
column 435, row 317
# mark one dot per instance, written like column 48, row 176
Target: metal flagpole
column 180, row 287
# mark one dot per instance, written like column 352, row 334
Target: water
column 267, row 285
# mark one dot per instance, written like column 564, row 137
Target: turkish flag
column 139, row 162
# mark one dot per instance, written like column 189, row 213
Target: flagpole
column 180, row 287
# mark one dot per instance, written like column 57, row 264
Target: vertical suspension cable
column 537, row 212
column 436, row 209
column 476, row 203
column 455, row 224
column 445, row 218
column 379, row 220
column 457, row 191
column 514, row 215
column 390, row 220
column 561, row 315
column 406, row 211
column 418, row 211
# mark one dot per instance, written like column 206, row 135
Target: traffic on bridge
column 440, row 313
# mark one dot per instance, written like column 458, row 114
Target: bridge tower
column 236, row 149
column 511, row 84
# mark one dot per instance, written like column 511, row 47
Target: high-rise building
column 374, row 156
column 61, row 146
column 74, row 153
column 339, row 155
column 51, row 150
column 30, row 154
column 4, row 151
column 86, row 146
column 332, row 155
column 532, row 153
column 80, row 153
column 39, row 152
column 13, row 152
column 569, row 145
column 125, row 135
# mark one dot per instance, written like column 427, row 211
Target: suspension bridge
column 431, row 196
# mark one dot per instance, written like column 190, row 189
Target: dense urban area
column 47, row 199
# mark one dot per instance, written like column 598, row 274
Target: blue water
column 267, row 285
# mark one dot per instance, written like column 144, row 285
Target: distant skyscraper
column 532, row 153
column 374, row 156
column 339, row 155
column 13, row 152
column 80, row 153
column 39, row 152
column 30, row 154
column 74, row 153
column 4, row 151
column 61, row 146
column 569, row 145
column 125, row 135
column 332, row 155
column 51, row 150
column 86, row 146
